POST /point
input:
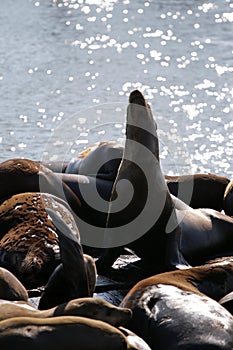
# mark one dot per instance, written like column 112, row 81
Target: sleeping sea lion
column 28, row 239
column 61, row 333
column 199, row 190
column 25, row 175
column 33, row 226
column 179, row 309
column 94, row 308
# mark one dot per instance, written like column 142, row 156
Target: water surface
column 67, row 67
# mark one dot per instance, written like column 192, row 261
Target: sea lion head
column 37, row 263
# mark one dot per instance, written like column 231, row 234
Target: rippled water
column 67, row 68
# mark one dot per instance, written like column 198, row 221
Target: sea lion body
column 61, row 333
column 94, row 308
column 150, row 213
column 179, row 235
column 66, row 332
column 37, row 233
column 179, row 309
column 206, row 234
column 70, row 279
column 28, row 240
column 24, row 175
column 199, row 190
column 167, row 317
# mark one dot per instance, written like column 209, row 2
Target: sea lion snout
column 124, row 316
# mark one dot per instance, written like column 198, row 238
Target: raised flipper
column 69, row 280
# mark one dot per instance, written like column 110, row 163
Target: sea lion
column 196, row 235
column 25, row 175
column 28, row 239
column 196, row 190
column 199, row 190
column 167, row 317
column 94, row 308
column 33, row 226
column 178, row 309
column 10, row 287
column 102, row 159
column 93, row 190
column 61, row 333
column 140, row 166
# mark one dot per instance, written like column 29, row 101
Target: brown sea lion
column 33, row 226
column 194, row 235
column 28, row 239
column 24, row 175
column 178, row 309
column 94, row 308
column 10, row 287
column 61, row 333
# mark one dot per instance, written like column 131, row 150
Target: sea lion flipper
column 70, row 277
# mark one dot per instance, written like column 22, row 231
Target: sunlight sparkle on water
column 96, row 52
